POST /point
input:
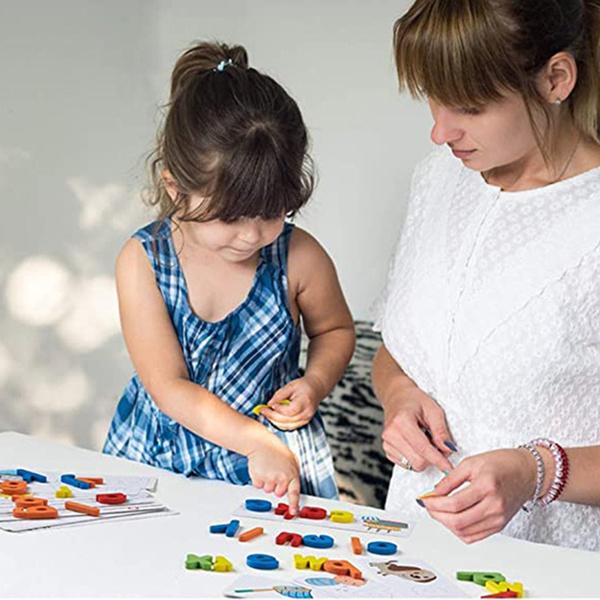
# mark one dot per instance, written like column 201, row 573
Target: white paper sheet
column 140, row 502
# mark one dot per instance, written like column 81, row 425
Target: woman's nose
column 444, row 130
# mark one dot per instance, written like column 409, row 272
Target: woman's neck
column 572, row 155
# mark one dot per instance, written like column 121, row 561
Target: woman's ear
column 558, row 77
column 170, row 184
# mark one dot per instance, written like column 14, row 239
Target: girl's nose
column 250, row 232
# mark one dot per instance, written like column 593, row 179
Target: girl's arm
column 325, row 314
column 316, row 295
column 158, row 360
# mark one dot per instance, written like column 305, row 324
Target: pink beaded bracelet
column 561, row 470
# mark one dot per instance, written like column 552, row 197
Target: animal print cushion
column 353, row 419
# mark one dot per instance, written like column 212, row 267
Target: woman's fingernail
column 451, row 445
column 420, row 502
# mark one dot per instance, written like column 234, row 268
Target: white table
column 146, row 557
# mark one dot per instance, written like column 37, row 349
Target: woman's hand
column 415, row 428
column 304, row 396
column 498, row 483
column 273, row 467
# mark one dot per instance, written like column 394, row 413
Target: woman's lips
column 462, row 154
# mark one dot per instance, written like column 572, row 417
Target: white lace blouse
column 493, row 308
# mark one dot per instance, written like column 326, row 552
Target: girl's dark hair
column 233, row 136
column 469, row 52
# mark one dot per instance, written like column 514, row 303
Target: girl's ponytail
column 203, row 58
column 233, row 138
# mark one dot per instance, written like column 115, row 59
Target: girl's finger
column 290, row 426
column 281, row 488
column 283, row 393
column 287, row 407
column 273, row 415
column 269, row 486
column 293, row 492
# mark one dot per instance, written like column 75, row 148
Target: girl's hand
column 304, row 395
column 273, row 467
column 499, row 483
column 415, row 428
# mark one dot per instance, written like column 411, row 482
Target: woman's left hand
column 304, row 395
column 498, row 484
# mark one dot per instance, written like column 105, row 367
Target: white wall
column 80, row 84
column 335, row 57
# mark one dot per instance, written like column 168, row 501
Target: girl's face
column 237, row 241
column 495, row 136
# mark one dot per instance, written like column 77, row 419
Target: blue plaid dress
column 243, row 359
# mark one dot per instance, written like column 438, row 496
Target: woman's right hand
column 273, row 467
column 410, row 416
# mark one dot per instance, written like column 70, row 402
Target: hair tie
column 223, row 65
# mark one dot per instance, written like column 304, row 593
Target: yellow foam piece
column 341, row 516
column 222, row 564
column 427, row 495
column 504, row 586
column 64, row 492
column 309, row 562
column 259, row 407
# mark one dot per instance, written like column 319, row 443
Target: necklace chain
column 570, row 159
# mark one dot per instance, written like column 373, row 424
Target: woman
column 490, row 364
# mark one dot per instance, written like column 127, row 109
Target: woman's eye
column 469, row 110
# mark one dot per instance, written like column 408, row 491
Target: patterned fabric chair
column 354, row 420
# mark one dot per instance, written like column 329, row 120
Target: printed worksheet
column 364, row 520
column 140, row 502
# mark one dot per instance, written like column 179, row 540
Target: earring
column 558, row 101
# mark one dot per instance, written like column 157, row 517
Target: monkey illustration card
column 408, row 577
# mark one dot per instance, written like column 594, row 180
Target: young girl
column 212, row 293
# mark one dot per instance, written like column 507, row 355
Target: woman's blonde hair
column 470, row 52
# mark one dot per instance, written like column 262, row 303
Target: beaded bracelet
column 561, row 470
column 540, row 475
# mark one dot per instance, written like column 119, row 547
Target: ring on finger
column 405, row 463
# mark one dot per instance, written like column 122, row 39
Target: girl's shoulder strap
column 276, row 253
column 156, row 241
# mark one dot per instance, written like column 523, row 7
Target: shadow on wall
column 60, row 349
